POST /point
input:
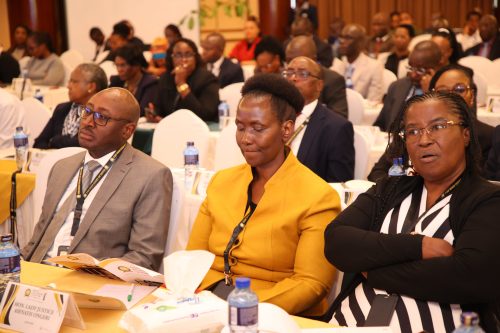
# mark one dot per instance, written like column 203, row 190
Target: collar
column 383, row 38
column 309, row 108
column 217, row 63
column 102, row 160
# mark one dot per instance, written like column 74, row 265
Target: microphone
column 25, row 76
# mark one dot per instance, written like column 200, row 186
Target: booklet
column 112, row 268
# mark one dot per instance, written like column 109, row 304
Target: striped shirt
column 410, row 315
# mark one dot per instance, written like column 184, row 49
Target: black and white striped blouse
column 410, row 315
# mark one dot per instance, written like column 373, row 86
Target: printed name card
column 33, row 309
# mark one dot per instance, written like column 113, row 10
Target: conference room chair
column 482, row 87
column 54, row 97
column 418, row 39
column 232, row 95
column 227, row 152
column 362, row 149
column 483, row 66
column 355, row 106
column 71, row 58
column 109, row 68
column 37, row 116
column 248, row 70
column 388, row 78
column 173, row 132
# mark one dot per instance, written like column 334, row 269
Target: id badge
column 62, row 250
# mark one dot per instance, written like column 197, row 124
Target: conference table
column 97, row 320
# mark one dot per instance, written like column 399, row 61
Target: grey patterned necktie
column 58, row 220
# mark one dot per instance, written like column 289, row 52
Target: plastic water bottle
column 21, row 145
column 243, row 308
column 191, row 163
column 38, row 95
column 10, row 262
column 223, row 114
column 397, row 167
column 469, row 323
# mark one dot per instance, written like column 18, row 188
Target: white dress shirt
column 306, row 113
column 367, row 76
column 11, row 116
column 469, row 41
column 64, row 237
column 216, row 66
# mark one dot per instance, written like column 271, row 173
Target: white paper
column 348, row 330
column 121, row 293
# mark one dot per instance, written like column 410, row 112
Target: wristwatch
column 182, row 88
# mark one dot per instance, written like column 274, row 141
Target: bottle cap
column 242, row 282
column 19, row 128
column 6, row 238
column 469, row 318
column 190, row 143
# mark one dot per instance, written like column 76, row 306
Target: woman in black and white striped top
column 432, row 239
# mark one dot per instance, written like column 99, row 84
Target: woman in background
column 244, row 50
column 19, row 48
column 44, row 68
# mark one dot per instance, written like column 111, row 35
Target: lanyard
column 13, row 206
column 298, row 130
column 80, row 197
column 236, row 232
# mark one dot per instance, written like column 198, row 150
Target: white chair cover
column 482, row 87
column 37, row 115
column 355, row 106
column 54, row 97
column 171, row 135
column 72, row 58
column 23, row 62
column 248, row 71
column 147, row 55
column 481, row 65
column 227, row 152
column 389, row 77
column 101, row 56
column 418, row 39
column 232, row 95
column 109, row 68
column 362, row 149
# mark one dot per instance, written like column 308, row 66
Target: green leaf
column 191, row 23
column 239, row 9
column 227, row 10
column 181, row 22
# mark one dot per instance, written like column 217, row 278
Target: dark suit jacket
column 333, row 94
column 393, row 103
column 9, row 68
column 203, row 99
column 51, row 136
column 230, row 73
column 494, row 52
column 327, row 147
column 146, row 90
column 324, row 52
column 492, row 165
column 128, row 217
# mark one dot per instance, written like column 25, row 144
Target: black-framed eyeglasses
column 412, row 134
column 418, row 70
column 301, row 74
column 179, row 56
column 85, row 111
column 458, row 89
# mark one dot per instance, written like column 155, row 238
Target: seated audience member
column 429, row 240
column 11, row 116
column 451, row 51
column 303, row 27
column 9, row 68
column 243, row 51
column 131, row 65
column 361, row 72
column 492, row 165
column 323, row 141
column 172, row 34
column 283, row 207
column 395, row 19
column 44, row 68
column 269, row 56
column 401, row 37
column 424, row 61
column 406, row 18
column 157, row 63
column 118, row 39
column 304, row 9
column 62, row 129
column 132, row 38
column 186, row 85
column 126, row 214
column 98, row 38
column 334, row 31
column 456, row 79
column 19, row 48
column 469, row 36
column 490, row 46
column 333, row 93
column 381, row 39
column 213, row 55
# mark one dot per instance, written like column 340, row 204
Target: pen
column 131, row 292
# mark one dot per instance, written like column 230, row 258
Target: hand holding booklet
column 112, row 268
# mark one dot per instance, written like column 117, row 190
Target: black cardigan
column 394, row 262
column 51, row 136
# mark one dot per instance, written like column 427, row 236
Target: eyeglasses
column 418, row 70
column 178, row 56
column 300, row 74
column 99, row 119
column 458, row 89
column 412, row 134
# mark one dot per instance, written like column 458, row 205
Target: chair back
column 232, row 95
column 147, row 55
column 54, row 97
column 362, row 149
column 418, row 39
column 42, row 172
column 388, row 78
column 227, row 152
column 481, row 65
column 355, row 106
column 176, row 213
column 109, row 68
column 482, row 87
column 37, row 116
column 248, row 71
column 71, row 59
column 171, row 135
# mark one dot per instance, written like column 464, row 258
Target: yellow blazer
column 282, row 246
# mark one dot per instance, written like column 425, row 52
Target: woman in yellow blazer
column 285, row 205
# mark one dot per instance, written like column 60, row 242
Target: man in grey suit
column 124, row 211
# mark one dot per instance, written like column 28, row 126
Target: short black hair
column 25, row 27
column 286, row 100
column 455, row 104
column 95, row 30
column 132, row 54
column 42, row 37
column 174, row 29
column 121, row 29
column 473, row 13
column 409, row 28
column 191, row 44
column 271, row 45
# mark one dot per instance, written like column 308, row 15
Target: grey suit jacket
column 128, row 217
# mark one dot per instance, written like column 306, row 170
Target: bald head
column 428, row 53
column 125, row 105
column 352, row 41
column 380, row 24
column 301, row 46
column 306, row 74
column 212, row 47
